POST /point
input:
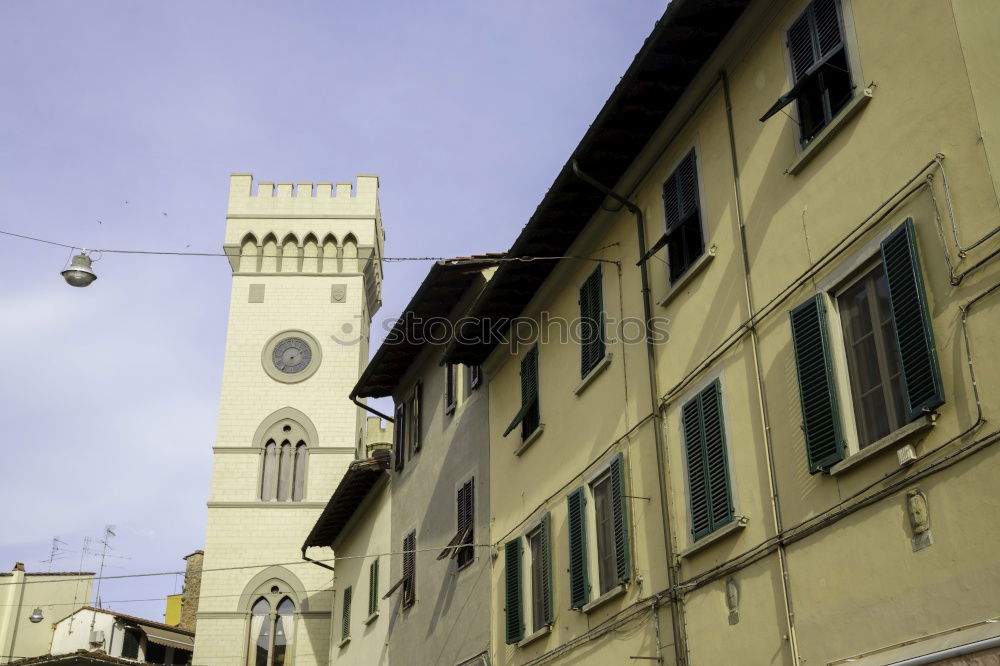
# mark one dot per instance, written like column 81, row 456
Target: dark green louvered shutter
column 708, row 467
column 345, row 620
column 546, row 556
column 399, row 437
column 529, row 387
column 619, row 519
column 579, row 586
column 817, row 389
column 680, row 192
column 373, row 587
column 591, row 322
column 130, row 644
column 417, row 408
column 515, row 614
column 922, row 387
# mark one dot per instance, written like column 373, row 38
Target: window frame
column 475, row 377
column 854, row 267
column 690, row 150
column 465, row 548
column 408, row 593
column 690, row 395
column 587, row 363
column 526, row 407
column 274, row 600
column 450, row 385
column 414, row 417
column 373, row 596
column 592, row 551
column 346, row 600
column 538, row 527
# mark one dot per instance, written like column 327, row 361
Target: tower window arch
column 272, row 629
column 284, row 462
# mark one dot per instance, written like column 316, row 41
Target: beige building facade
column 306, row 261
column 798, row 468
column 54, row 595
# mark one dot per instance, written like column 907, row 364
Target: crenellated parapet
column 306, row 229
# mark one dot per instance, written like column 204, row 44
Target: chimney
column 192, row 590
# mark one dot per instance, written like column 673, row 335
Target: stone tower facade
column 307, row 276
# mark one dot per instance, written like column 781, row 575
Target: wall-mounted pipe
column 676, row 611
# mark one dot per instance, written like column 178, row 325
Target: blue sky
column 120, row 125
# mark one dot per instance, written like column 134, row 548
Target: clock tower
column 307, row 277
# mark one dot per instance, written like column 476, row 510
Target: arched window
column 310, row 255
column 269, row 255
column 248, row 254
column 285, row 461
column 350, row 255
column 290, row 254
column 272, row 633
column 330, row 254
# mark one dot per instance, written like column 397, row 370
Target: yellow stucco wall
column 856, row 584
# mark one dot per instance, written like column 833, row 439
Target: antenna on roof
column 57, row 552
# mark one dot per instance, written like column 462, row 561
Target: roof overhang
column 359, row 480
column 680, row 44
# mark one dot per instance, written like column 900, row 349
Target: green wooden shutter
column 515, row 615
column 373, row 587
column 579, row 586
column 345, row 620
column 130, row 644
column 817, row 389
column 592, row 322
column 707, row 463
column 922, row 387
column 398, row 437
column 417, row 408
column 619, row 519
column 529, row 387
column 546, row 556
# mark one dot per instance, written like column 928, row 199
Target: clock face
column 291, row 355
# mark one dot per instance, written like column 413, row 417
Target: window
column 608, row 521
column 373, row 587
column 873, row 366
column 684, row 239
column 528, row 417
column 709, row 492
column 271, row 635
column 399, row 437
column 513, row 611
column 345, row 614
column 414, row 426
column 181, row 657
column 461, row 545
column 155, row 653
column 822, row 75
column 283, row 476
column 449, row 391
column 466, row 524
column 592, row 323
column 130, row 643
column 475, row 377
column 409, row 569
column 540, row 552
column 887, row 342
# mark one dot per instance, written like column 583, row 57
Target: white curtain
column 260, row 634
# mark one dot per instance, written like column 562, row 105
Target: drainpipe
column 676, row 612
column 316, row 562
column 354, row 399
column 761, row 396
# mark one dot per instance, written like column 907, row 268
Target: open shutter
column 418, row 408
column 579, row 586
column 345, row 619
column 529, row 387
column 817, row 390
column 399, row 437
column 373, row 587
column 619, row 519
column 694, row 446
column 546, row 563
column 409, row 569
column 922, row 387
column 592, row 329
column 515, row 615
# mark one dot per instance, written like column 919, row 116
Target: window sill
column 736, row 525
column 596, row 370
column 697, row 267
column 613, row 593
column 371, row 618
column 892, row 439
column 853, row 107
column 344, row 642
column 544, row 631
column 531, row 440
